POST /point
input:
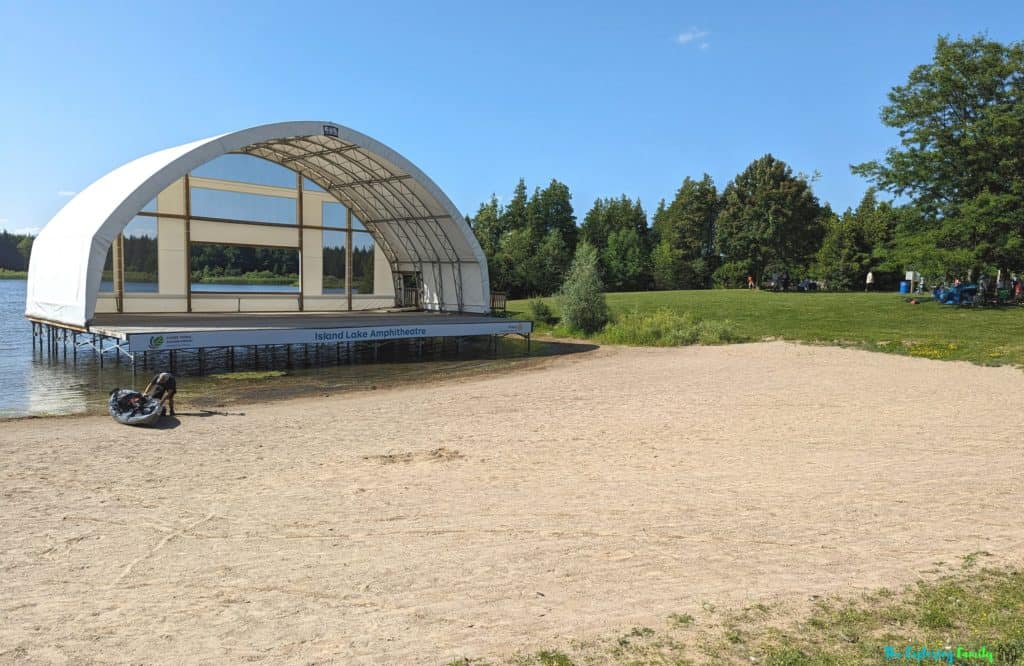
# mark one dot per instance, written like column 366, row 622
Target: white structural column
column 312, row 247
column 172, row 252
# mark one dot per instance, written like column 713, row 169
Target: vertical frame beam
column 348, row 255
column 117, row 268
column 298, row 222
column 188, row 243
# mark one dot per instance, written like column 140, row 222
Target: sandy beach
column 504, row 513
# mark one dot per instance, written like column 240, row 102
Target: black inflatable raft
column 133, row 408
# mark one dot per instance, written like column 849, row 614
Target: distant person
column 162, row 388
column 750, row 282
column 869, row 282
column 785, row 280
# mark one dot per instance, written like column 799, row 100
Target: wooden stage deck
column 151, row 332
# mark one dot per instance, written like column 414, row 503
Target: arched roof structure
column 416, row 226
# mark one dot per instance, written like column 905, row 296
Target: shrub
column 541, row 312
column 581, row 301
column 667, row 328
column 732, row 274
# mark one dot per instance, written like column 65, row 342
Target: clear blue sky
column 609, row 97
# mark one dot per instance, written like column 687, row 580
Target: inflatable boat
column 133, row 408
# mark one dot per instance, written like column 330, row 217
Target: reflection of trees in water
column 140, row 260
column 140, row 256
column 237, row 264
column 212, row 260
column 362, row 269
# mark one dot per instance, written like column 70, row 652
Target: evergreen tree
column 687, row 225
column 552, row 223
column 529, row 243
column 514, row 216
column 487, row 224
column 582, row 304
column 770, row 219
column 617, row 228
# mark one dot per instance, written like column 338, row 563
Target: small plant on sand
column 681, row 619
column 582, row 303
column 970, row 559
column 553, row 658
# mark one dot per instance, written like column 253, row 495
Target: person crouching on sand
column 162, row 388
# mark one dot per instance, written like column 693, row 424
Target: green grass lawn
column 880, row 322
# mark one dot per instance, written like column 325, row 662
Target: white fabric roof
column 415, row 224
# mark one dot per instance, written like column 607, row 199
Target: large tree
column 529, row 243
column 617, row 228
column 961, row 153
column 770, row 219
column 857, row 242
column 683, row 235
column 552, row 224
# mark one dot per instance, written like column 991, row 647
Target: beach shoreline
column 226, row 390
column 490, row 515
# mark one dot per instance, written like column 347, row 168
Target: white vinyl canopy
column 416, row 226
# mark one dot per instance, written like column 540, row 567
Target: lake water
column 32, row 384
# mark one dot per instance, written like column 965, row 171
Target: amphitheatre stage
column 134, row 337
column 346, row 243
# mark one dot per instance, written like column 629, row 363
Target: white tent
column 416, row 226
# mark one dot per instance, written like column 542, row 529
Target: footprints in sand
column 442, row 454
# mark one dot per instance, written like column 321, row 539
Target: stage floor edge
column 160, row 332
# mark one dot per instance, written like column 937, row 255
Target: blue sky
column 608, row 97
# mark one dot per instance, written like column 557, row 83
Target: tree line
column 214, row 262
column 15, row 250
column 955, row 205
column 766, row 219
